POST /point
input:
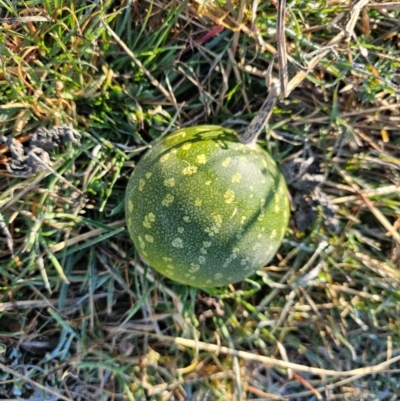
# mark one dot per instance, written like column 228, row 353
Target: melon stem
column 250, row 136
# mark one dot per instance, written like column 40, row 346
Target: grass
column 83, row 317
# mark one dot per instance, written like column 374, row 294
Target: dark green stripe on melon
column 204, row 209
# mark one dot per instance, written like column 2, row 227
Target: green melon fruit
column 204, row 209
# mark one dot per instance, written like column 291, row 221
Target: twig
column 325, row 387
column 385, row 6
column 276, row 362
column 231, row 54
column 16, row 197
column 282, row 56
column 85, row 236
column 250, row 136
column 33, row 383
column 376, row 212
column 7, row 234
column 389, row 190
column 268, row 360
column 59, row 176
column 45, row 303
column 258, row 123
column 153, row 80
column 22, row 20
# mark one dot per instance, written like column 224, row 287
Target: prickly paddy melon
column 204, row 209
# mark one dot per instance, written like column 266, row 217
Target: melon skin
column 204, row 209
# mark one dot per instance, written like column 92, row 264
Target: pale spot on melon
column 181, row 230
column 218, row 276
column 142, row 183
column 148, row 175
column 207, row 244
column 148, row 219
column 237, row 178
column 226, row 263
column 177, row 243
column 149, row 238
column 208, row 183
column 229, row 196
column 194, row 268
column 167, row 200
column 202, row 260
column 141, row 242
column 203, row 251
column 164, row 158
column 169, row 182
column 187, row 146
column 198, row 202
column 201, row 159
column 226, row 162
column 217, row 219
column 277, row 207
column 189, row 170
column 130, row 205
column 211, row 231
column 285, row 214
column 273, row 234
column 186, row 219
column 178, row 133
